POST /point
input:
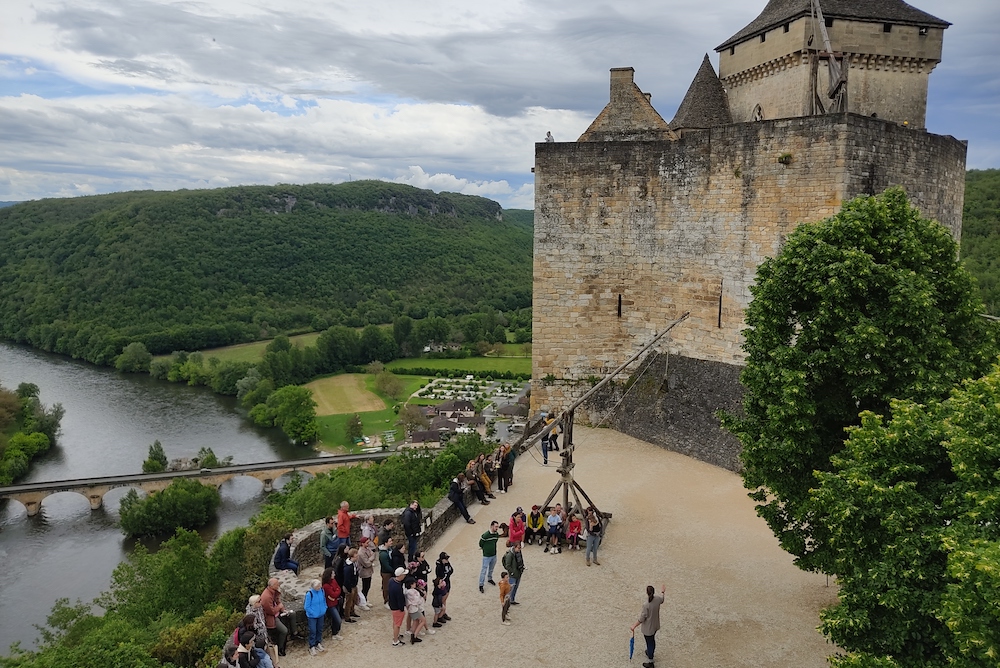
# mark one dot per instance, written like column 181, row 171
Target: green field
column 512, row 364
column 252, row 352
column 333, row 428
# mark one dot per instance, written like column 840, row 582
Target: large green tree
column 293, row 409
column 910, row 514
column 869, row 305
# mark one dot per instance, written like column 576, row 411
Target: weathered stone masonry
column 641, row 220
column 665, row 227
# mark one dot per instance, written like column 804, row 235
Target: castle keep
column 641, row 220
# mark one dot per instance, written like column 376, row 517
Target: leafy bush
column 134, row 359
column 185, row 503
column 188, row 644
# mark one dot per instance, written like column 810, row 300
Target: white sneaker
column 320, row 647
column 431, row 631
column 505, row 623
column 366, row 608
column 312, row 651
column 338, row 637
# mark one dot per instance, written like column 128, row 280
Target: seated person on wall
column 456, row 494
column 280, row 621
column 535, row 526
column 473, row 482
column 283, row 553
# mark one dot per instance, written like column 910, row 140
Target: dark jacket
column 385, row 561
column 455, row 491
column 412, row 522
column 513, row 563
column 350, row 575
column 397, row 558
column 397, row 599
column 338, row 570
column 282, row 554
column 444, row 570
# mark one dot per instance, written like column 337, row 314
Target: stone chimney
column 622, row 80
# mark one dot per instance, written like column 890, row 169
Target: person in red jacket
column 516, row 528
column 344, row 517
column 333, row 593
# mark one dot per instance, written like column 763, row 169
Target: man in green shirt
column 488, row 544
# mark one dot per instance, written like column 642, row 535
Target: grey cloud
column 518, row 65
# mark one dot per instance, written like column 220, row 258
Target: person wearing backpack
column 315, row 609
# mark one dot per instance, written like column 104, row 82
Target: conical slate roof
column 778, row 12
column 705, row 104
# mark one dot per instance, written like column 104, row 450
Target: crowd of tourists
column 415, row 592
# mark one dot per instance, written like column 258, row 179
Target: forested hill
column 981, row 233
column 188, row 270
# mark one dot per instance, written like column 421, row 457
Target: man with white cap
column 397, row 603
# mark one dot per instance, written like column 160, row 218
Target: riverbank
column 733, row 597
column 69, row 550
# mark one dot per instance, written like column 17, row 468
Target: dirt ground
column 344, row 393
column 733, row 598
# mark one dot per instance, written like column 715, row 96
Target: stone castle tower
column 641, row 220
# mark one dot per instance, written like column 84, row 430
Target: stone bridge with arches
column 94, row 489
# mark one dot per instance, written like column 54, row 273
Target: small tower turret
column 773, row 67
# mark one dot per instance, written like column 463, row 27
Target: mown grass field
column 333, row 427
column 512, row 364
column 344, row 393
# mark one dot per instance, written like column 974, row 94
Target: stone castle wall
column 630, row 235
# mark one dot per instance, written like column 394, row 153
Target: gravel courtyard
column 733, row 598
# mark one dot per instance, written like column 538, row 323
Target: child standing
column 415, row 609
column 437, row 602
column 505, row 588
column 555, row 527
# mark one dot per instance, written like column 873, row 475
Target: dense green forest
column 188, row 270
column 981, row 233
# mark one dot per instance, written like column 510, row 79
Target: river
column 68, row 550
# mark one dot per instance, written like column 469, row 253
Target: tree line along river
column 68, row 550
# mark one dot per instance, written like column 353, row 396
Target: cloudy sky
column 107, row 95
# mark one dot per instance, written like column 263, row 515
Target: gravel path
column 733, row 597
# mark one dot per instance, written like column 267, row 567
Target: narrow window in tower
column 922, row 32
column 732, row 51
column 829, row 23
column 763, row 37
column 619, row 306
column 720, row 303
column 786, row 27
column 886, row 27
